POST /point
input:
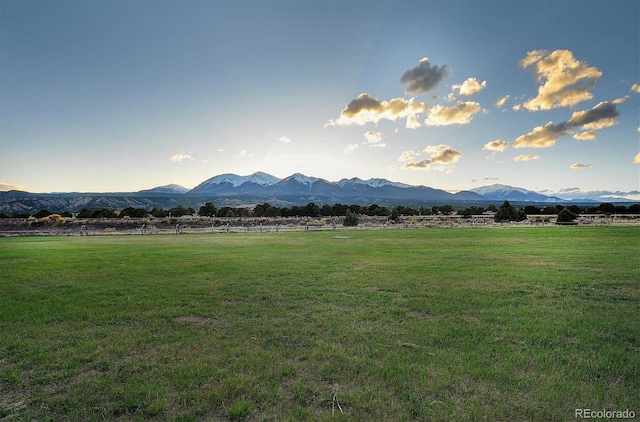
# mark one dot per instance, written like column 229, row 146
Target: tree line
column 506, row 212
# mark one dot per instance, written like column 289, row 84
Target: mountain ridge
column 230, row 189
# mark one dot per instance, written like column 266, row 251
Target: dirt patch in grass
column 193, row 319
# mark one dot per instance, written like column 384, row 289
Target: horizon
column 588, row 196
column 113, row 96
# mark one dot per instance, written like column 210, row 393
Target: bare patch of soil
column 193, row 319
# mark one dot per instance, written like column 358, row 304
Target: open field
column 428, row 324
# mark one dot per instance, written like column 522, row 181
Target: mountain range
column 234, row 190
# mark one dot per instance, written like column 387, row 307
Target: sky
column 120, row 96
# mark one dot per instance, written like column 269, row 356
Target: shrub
column 351, row 219
column 566, row 216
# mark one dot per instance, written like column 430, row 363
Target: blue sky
column 126, row 95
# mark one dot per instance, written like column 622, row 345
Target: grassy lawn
column 436, row 324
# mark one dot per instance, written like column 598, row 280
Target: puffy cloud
column 407, row 155
column 501, row 101
column 424, row 77
column 540, row 137
column 585, row 136
column 350, row 148
column 442, row 155
column 179, row 156
column 564, row 80
column 373, row 137
column 460, row 113
column 469, row 87
column 284, row 139
column 635, row 88
column 365, row 109
column 497, row 145
column 636, row 159
column 599, row 117
column 413, row 122
column 579, row 166
column 244, row 154
column 526, row 157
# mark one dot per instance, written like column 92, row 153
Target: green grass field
column 436, row 324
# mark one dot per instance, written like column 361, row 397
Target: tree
column 207, row 210
column 351, row 219
column 566, row 216
column 507, row 212
column 42, row 214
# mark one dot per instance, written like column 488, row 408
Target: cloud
column 413, row 122
column 579, row 166
column 4, row 187
column 526, row 157
column 469, row 87
column 350, row 148
column 284, row 139
column 424, row 77
column 440, row 156
column 635, row 88
column 497, row 145
column 599, row 117
column 564, row 80
column 636, row 159
column 407, row 155
column 244, row 154
column 366, row 109
column 180, row 156
column 459, row 114
column 501, row 101
column 490, row 178
column 373, row 137
column 586, row 136
column 540, row 137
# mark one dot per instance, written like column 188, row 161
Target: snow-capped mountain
column 356, row 183
column 232, row 183
column 170, row 189
column 498, row 192
column 299, row 184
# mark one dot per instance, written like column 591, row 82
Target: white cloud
column 635, row 88
column 469, row 87
column 244, row 154
column 564, row 80
column 586, row 136
column 180, row 156
column 497, row 145
column 440, row 158
column 373, row 137
column 284, row 139
column 412, row 122
column 461, row 113
column 526, row 157
column 424, row 77
column 350, row 148
column 501, row 101
column 367, row 109
column 407, row 155
column 599, row 117
column 579, row 166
